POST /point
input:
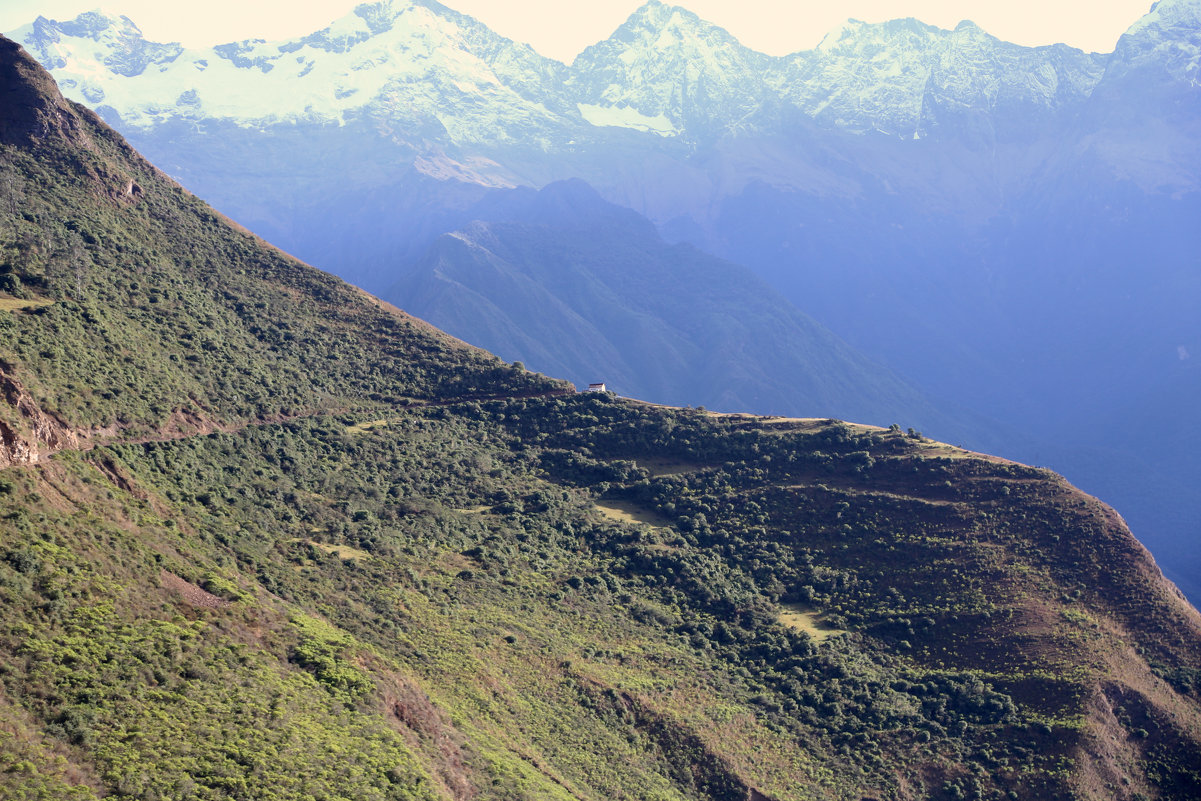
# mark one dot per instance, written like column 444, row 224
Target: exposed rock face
column 31, row 107
column 35, row 430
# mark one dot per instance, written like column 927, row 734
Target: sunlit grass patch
column 340, row 551
column 14, row 304
column 363, row 428
column 625, row 512
column 798, row 618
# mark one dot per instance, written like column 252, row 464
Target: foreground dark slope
column 314, row 549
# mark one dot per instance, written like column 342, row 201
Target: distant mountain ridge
column 585, row 290
column 670, row 115
column 665, row 71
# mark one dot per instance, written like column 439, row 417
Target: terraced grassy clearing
column 15, row 304
column 799, row 618
column 364, row 427
column 340, row 551
column 626, row 512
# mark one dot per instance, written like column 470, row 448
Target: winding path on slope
column 52, row 435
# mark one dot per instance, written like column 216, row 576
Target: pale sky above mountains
column 561, row 28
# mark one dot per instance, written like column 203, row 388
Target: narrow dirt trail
column 184, row 425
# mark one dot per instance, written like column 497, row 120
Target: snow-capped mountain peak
column 658, row 24
column 397, row 59
column 98, row 25
column 98, row 41
column 906, row 78
column 669, row 71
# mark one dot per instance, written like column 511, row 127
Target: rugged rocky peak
column 108, row 41
column 655, row 18
column 669, row 71
column 658, row 33
column 31, row 107
column 1169, row 17
column 379, row 17
column 855, row 38
column 903, row 77
column 408, row 24
column 1151, row 92
column 1166, row 39
column 98, row 26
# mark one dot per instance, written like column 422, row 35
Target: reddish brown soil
column 191, row 593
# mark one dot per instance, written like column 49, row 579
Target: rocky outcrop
column 31, row 107
column 26, row 430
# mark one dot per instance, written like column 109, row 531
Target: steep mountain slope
column 1031, row 256
column 150, row 297
column 576, row 287
column 406, row 571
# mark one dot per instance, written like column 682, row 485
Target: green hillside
column 262, row 537
column 146, row 311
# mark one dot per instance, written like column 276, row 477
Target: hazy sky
column 561, row 28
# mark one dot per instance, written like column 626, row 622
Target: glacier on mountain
column 618, row 116
column 397, row 58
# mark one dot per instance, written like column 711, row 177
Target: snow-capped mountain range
column 903, row 76
column 665, row 71
column 394, row 60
